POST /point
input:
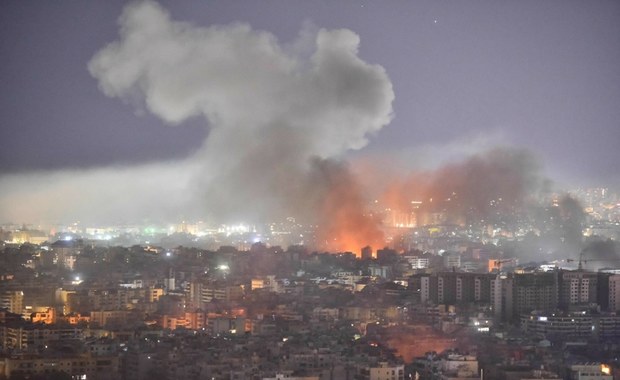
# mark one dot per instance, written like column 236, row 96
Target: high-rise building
column 614, row 292
column 452, row 260
column 535, row 291
column 418, row 262
column 367, row 252
column 12, row 301
column 455, row 287
column 579, row 288
column 502, row 297
column 225, row 292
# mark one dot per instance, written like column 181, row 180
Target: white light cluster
column 234, row 229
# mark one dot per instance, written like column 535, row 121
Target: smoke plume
column 279, row 119
column 482, row 187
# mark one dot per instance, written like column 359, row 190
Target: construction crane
column 580, row 265
column 585, row 261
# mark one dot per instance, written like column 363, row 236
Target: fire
column 484, row 187
column 344, row 222
column 481, row 187
column 347, row 228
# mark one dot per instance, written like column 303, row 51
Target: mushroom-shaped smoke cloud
column 275, row 115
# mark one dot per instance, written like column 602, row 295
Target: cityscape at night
column 310, row 190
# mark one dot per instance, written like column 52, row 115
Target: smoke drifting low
column 483, row 186
column 115, row 195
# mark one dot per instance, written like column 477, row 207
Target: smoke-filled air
column 483, row 187
column 281, row 117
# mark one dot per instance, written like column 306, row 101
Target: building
column 553, row 327
column 223, row 292
column 226, row 325
column 522, row 293
column 535, row 291
column 455, row 287
column 109, row 317
column 28, row 236
column 12, row 301
column 28, row 336
column 459, row 367
column 578, row 288
column 578, row 325
column 65, row 252
column 418, row 262
column 286, row 376
column 153, row 294
column 384, row 271
column 265, row 282
column 502, row 297
column 452, row 260
column 367, row 253
column 614, row 292
column 387, row 371
column 79, row 367
column 590, row 371
column 45, row 315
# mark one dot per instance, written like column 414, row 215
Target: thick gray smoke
column 271, row 111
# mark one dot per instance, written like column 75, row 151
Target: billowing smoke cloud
column 484, row 186
column 276, row 117
column 281, row 117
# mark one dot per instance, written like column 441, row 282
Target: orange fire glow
column 480, row 188
column 345, row 225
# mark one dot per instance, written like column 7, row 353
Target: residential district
column 444, row 302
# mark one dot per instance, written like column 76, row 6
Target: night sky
column 466, row 75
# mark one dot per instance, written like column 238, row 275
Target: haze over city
column 231, row 112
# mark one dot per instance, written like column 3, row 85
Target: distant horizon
column 211, row 221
